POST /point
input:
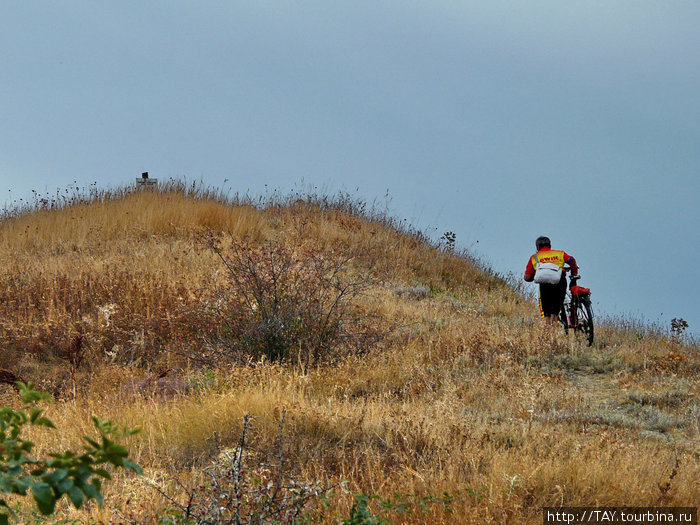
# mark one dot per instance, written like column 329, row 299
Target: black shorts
column 552, row 297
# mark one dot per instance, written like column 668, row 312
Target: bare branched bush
column 236, row 490
column 284, row 305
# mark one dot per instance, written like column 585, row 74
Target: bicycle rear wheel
column 585, row 319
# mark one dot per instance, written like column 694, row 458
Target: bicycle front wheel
column 585, row 320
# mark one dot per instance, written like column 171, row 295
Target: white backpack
column 547, row 273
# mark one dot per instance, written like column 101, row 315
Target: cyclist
column 546, row 268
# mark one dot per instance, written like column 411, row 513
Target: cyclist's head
column 541, row 242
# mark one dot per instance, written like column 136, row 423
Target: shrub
column 448, row 241
column 235, row 490
column 284, row 305
column 678, row 328
column 75, row 476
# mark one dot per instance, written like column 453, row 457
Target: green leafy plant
column 77, row 476
column 361, row 512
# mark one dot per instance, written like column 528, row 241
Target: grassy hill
column 367, row 359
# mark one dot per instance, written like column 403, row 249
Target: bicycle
column 577, row 312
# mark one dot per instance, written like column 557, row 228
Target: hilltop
column 388, row 364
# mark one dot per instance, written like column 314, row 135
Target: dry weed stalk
column 241, row 493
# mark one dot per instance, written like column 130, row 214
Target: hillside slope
column 387, row 364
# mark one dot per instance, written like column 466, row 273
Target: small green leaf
column 28, row 394
column 3, row 516
column 64, row 486
column 76, row 496
column 35, row 413
column 44, row 497
column 114, row 449
column 45, row 422
column 21, row 485
column 131, row 431
column 97, row 483
column 133, row 466
column 102, row 472
column 93, row 492
column 92, row 442
column 58, row 475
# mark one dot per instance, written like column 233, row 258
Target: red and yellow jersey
column 558, row 257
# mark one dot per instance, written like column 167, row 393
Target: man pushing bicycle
column 546, row 268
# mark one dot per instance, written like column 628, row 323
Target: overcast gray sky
column 500, row 121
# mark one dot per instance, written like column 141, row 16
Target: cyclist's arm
column 529, row 271
column 572, row 263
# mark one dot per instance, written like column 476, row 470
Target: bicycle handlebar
column 571, row 277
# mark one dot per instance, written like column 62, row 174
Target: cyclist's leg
column 552, row 300
column 545, row 310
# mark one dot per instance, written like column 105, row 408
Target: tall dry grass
column 468, row 394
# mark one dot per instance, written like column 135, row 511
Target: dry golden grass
column 468, row 395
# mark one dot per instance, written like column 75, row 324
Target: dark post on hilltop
column 145, row 182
